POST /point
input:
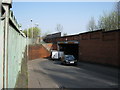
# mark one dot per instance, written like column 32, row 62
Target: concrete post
column 6, row 46
column 1, row 49
column 7, row 5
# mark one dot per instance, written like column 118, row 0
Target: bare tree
column 59, row 28
column 91, row 25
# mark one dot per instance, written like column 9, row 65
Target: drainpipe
column 7, row 5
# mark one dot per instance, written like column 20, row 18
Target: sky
column 73, row 16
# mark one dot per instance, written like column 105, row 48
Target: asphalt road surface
column 44, row 73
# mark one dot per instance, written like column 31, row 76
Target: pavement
column 37, row 77
column 44, row 73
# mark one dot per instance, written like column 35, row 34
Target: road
column 44, row 73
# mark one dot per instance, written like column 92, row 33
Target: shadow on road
column 94, row 68
column 81, row 76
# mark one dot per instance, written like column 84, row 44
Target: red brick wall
column 37, row 51
column 97, row 47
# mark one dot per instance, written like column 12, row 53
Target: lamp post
column 32, row 29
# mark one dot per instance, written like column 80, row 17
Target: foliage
column 108, row 21
column 32, row 32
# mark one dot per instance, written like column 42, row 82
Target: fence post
column 1, row 48
column 7, row 5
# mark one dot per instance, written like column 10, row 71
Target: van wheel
column 59, row 59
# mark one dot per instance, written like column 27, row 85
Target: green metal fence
column 16, row 49
column 12, row 50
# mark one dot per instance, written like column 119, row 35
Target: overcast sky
column 73, row 16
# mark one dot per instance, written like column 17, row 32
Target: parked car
column 69, row 59
column 57, row 54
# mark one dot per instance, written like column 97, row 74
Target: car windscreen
column 69, row 57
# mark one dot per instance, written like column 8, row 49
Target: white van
column 57, row 54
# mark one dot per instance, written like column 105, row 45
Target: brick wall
column 96, row 47
column 38, row 51
column 99, row 47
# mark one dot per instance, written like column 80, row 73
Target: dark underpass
column 70, row 49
